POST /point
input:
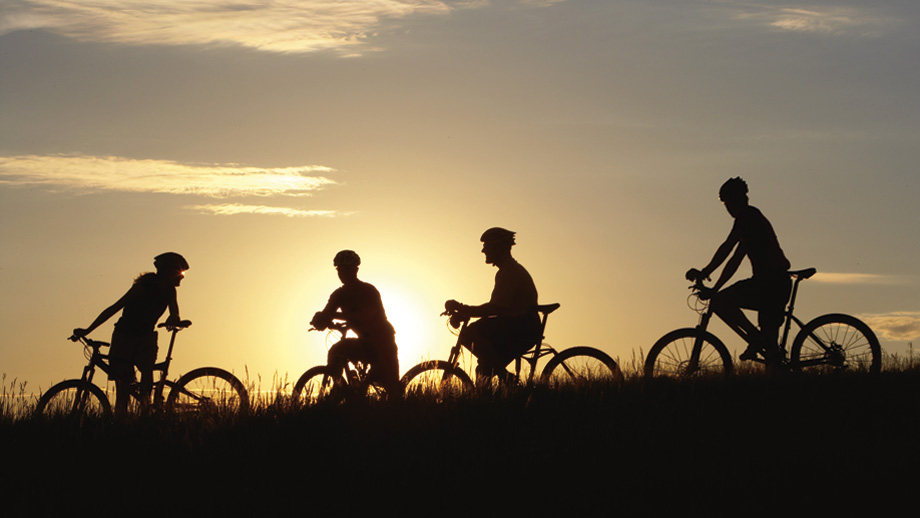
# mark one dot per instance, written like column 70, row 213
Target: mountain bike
column 322, row 382
column 830, row 342
column 206, row 389
column 572, row 365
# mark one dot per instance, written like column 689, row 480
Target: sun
column 414, row 322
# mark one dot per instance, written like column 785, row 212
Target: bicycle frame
column 533, row 354
column 788, row 319
column 98, row 359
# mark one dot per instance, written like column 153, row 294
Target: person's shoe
column 750, row 353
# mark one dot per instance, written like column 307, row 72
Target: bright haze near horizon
column 259, row 140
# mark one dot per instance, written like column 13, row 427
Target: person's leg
column 727, row 305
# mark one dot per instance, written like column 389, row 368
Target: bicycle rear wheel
column 436, row 378
column 73, row 398
column 208, row 390
column 837, row 342
column 579, row 365
column 673, row 356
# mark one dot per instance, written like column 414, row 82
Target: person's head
column 171, row 266
column 496, row 244
column 346, row 264
column 734, row 194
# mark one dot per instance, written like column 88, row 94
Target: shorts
column 766, row 295
column 131, row 350
column 497, row 340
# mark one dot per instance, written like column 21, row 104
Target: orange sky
column 258, row 142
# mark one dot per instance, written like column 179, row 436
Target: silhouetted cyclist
column 134, row 340
column 508, row 323
column 767, row 291
column 359, row 304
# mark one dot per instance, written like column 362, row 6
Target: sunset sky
column 258, row 140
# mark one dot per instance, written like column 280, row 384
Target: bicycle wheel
column 438, row 378
column 578, row 365
column 837, row 342
column 314, row 385
column 73, row 398
column 672, row 356
column 208, row 390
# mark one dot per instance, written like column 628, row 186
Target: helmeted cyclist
column 359, row 304
column 767, row 291
column 134, row 340
column 508, row 323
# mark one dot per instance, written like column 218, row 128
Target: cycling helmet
column 170, row 261
column 498, row 235
column 346, row 258
column 733, row 188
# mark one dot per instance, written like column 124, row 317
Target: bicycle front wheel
column 837, row 342
column 579, row 365
column 436, row 378
column 73, row 398
column 208, row 390
column 313, row 386
column 685, row 353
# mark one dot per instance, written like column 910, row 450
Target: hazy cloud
column 816, row 19
column 230, row 209
column 857, row 278
column 277, row 26
column 898, row 325
column 160, row 176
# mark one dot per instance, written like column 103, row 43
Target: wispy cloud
column 278, row 26
column 898, row 325
column 112, row 173
column 858, row 278
column 230, row 209
column 816, row 19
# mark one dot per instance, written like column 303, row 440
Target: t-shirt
column 514, row 291
column 758, row 240
column 362, row 308
column 146, row 302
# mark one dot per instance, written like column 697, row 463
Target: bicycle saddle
column 547, row 308
column 803, row 274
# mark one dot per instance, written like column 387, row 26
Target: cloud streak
column 898, row 325
column 112, row 173
column 277, row 26
column 816, row 19
column 858, row 278
column 231, row 209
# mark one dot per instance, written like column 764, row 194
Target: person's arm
column 105, row 315
column 721, row 253
column 497, row 305
column 173, row 305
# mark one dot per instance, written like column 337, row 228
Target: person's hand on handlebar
column 694, row 275
column 78, row 333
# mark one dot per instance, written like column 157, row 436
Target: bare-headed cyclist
column 508, row 323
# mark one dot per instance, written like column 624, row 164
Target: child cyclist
column 134, row 340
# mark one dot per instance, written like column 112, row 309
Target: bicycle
column 206, row 389
column 572, row 365
column 323, row 383
column 834, row 341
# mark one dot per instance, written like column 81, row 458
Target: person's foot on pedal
column 750, row 353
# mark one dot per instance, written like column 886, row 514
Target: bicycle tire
column 436, row 377
column 208, row 390
column 578, row 365
column 62, row 400
column 853, row 345
column 313, row 386
column 672, row 354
